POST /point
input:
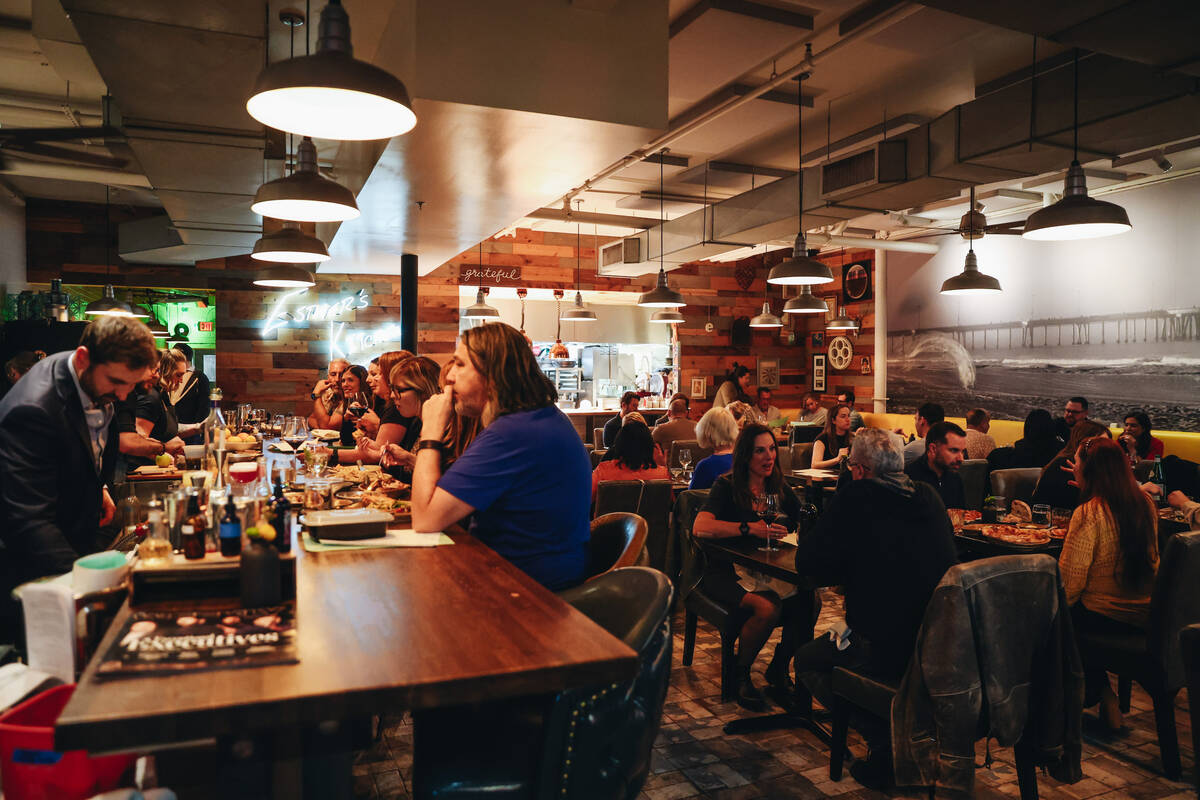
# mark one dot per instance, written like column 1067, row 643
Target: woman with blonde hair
column 154, row 414
column 715, row 431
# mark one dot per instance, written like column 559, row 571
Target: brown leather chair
column 693, row 446
column 1015, row 484
column 1189, row 644
column 650, row 500
column 974, row 478
column 618, row 540
column 802, row 455
column 598, row 438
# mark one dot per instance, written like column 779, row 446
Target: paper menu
column 50, row 628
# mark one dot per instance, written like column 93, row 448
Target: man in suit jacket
column 58, row 453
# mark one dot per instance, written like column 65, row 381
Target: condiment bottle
column 281, row 518
column 260, row 573
column 230, row 528
column 193, row 530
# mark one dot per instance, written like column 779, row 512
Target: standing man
column 846, row 397
column 945, row 444
column 766, row 412
column 191, row 398
column 326, row 395
column 677, row 426
column 979, row 443
column 928, row 415
column 58, row 451
column 813, row 413
column 526, row 479
column 629, row 402
column 1075, row 410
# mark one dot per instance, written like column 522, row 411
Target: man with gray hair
column 887, row 540
column 327, row 394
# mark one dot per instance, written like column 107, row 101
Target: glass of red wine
column 357, row 404
column 768, row 510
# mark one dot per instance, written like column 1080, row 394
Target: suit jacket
column 49, row 486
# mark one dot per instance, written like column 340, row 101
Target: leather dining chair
column 1154, row 659
column 598, row 438
column 802, row 455
column 1189, row 645
column 1015, row 484
column 693, row 447
column 974, row 478
column 652, row 501
column 591, row 742
column 618, row 540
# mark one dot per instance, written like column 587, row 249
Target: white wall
column 615, row 324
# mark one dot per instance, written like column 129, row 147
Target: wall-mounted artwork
column 856, row 282
column 768, row 372
column 698, row 387
column 818, row 340
column 818, row 372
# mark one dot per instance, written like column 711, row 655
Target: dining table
column 376, row 630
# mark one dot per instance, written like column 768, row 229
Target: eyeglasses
column 853, row 464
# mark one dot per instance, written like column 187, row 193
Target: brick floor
column 694, row 758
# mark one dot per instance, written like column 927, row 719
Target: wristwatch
column 312, row 395
column 744, row 528
column 430, row 444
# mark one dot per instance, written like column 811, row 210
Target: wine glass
column 685, row 459
column 767, row 506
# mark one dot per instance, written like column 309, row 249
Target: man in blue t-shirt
column 526, row 477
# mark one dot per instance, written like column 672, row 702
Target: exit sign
column 204, row 326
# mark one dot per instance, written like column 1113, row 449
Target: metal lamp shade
column 1076, row 216
column 801, row 269
column 285, row 276
column 766, row 319
column 330, row 94
column 971, row 280
column 841, row 323
column 578, row 312
column 480, row 309
column 108, row 305
column 806, row 303
column 289, row 245
column 139, row 312
column 662, row 295
column 305, row 195
column 668, row 316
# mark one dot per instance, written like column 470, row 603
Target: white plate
column 324, row 434
column 344, row 516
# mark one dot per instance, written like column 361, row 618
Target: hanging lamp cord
column 662, row 212
column 1075, row 142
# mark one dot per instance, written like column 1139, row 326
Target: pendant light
column 136, row 311
column 1076, row 216
column 305, row 195
column 667, row 316
column 290, row 245
column 559, row 351
column 766, row 319
column 158, row 330
column 662, row 295
column 842, row 322
column 971, row 280
column 284, row 276
column 330, row 94
column 801, row 268
column 107, row 305
column 480, row 308
column 578, row 312
column 521, row 294
column 806, row 303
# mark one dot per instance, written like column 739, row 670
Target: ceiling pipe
column 828, row 240
column 67, row 172
column 887, row 18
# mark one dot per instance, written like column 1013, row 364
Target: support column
column 881, row 332
column 408, row 302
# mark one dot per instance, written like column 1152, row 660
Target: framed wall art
column 818, row 372
column 698, row 388
column 768, row 372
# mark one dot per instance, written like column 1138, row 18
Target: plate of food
column 324, row 434
column 1019, row 512
column 1016, row 535
column 401, row 510
column 1058, row 533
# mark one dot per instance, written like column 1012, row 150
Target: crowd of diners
column 486, row 449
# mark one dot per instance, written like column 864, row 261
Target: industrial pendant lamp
column 766, row 319
column 801, row 269
column 1075, row 216
column 285, row 276
column 662, row 295
column 290, row 245
column 667, row 316
column 578, row 312
column 521, row 294
column 806, row 303
column 159, row 330
column 971, row 280
column 480, row 308
column 136, row 311
column 305, row 195
column 842, row 322
column 330, row 94
column 107, row 305
column 559, row 351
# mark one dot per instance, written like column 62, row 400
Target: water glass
column 316, row 495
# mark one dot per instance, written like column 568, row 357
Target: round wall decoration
column 841, row 352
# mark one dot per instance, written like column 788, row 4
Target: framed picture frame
column 768, row 372
column 818, row 339
column 698, row 388
column 856, row 282
column 818, row 372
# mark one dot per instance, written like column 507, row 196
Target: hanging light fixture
column 284, row 276
column 662, row 295
column 766, row 319
column 290, row 245
column 578, row 312
column 801, row 268
column 305, row 195
column 159, row 330
column 107, row 305
column 667, row 316
column 480, row 308
column 559, row 351
column 843, row 321
column 136, row 311
column 1076, row 216
column 971, row 280
column 330, row 94
column 806, row 303
column 521, row 294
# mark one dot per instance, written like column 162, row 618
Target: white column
column 881, row 332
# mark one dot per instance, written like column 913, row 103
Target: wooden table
column 385, row 629
column 744, row 551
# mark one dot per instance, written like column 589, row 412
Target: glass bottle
column 1158, row 479
column 193, row 530
column 155, row 549
column 281, row 519
column 213, row 426
column 230, row 528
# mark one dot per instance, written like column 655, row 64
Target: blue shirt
column 709, row 469
column 529, row 479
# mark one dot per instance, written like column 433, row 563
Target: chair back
column 1175, row 603
column 597, row 456
column 802, row 455
column 974, row 478
column 654, row 506
column 1015, row 484
column 691, row 558
column 693, row 446
column 802, row 434
column 784, row 454
column 598, row 438
column 598, row 740
column 618, row 496
column 618, row 540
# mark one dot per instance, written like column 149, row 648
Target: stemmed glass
column 767, row 506
column 685, row 459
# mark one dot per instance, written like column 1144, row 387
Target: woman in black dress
column 732, row 510
column 411, row 383
column 833, row 445
column 154, row 414
column 357, row 399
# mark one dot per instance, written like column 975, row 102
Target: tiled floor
column 694, row 758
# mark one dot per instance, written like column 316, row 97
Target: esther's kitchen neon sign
column 341, row 343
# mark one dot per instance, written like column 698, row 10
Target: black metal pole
column 408, row 302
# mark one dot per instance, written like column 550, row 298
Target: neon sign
column 342, row 343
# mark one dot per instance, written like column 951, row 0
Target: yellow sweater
column 1088, row 566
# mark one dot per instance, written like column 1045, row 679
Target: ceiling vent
column 886, row 162
column 616, row 256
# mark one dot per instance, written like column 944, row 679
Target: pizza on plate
column 1014, row 534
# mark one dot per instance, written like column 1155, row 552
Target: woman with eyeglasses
column 411, row 383
column 1109, row 558
column 390, row 427
column 735, row 509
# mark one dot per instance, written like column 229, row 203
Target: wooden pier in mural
column 1167, row 325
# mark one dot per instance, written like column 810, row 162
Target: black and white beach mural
column 1116, row 320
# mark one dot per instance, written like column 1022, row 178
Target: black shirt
column 949, row 486
column 723, row 504
column 610, row 430
column 831, row 448
column 193, row 405
column 1054, row 488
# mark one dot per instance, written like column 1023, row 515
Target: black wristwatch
column 312, row 395
column 744, row 528
column 430, row 444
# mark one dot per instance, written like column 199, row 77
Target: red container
column 30, row 767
